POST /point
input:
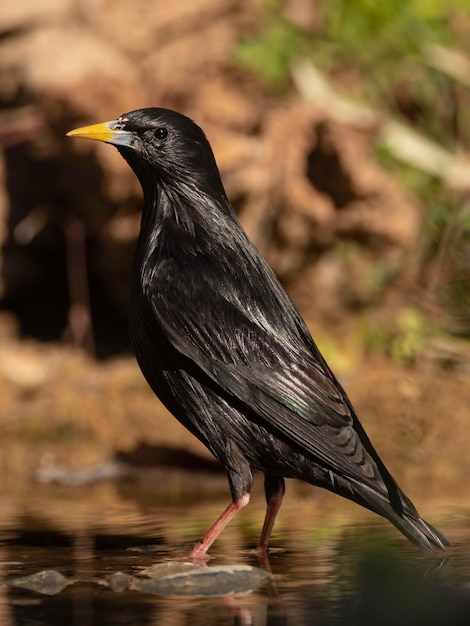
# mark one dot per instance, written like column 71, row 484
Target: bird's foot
column 198, row 554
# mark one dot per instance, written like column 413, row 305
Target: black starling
column 224, row 348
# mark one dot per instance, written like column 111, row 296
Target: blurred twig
column 404, row 143
column 450, row 62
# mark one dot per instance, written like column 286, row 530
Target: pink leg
column 200, row 549
column 274, row 488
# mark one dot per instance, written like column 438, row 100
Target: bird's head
column 162, row 147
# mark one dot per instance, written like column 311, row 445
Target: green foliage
column 271, row 50
column 383, row 43
column 410, row 335
column 405, row 339
column 367, row 27
column 376, row 47
column 376, row 51
column 373, row 32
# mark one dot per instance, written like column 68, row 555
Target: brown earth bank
column 62, row 415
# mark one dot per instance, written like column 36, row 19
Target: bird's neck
column 183, row 223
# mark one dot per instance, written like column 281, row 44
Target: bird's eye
column 161, row 134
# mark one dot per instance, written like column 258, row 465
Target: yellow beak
column 106, row 131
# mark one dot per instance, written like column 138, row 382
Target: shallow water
column 332, row 562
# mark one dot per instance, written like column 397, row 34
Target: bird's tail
column 418, row 531
column 392, row 504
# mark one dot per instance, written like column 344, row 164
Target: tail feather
column 419, row 532
column 387, row 499
column 398, row 509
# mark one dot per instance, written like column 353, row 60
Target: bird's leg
column 202, row 546
column 274, row 488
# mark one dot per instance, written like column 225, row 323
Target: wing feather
column 282, row 384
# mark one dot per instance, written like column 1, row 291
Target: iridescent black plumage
column 224, row 348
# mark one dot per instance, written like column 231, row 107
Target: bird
column 224, row 348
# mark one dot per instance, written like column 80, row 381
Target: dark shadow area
column 325, row 171
column 386, row 590
column 144, row 473
column 59, row 274
column 149, row 455
column 36, row 533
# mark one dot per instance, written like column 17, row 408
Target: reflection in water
column 354, row 574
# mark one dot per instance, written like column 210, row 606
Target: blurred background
column 342, row 132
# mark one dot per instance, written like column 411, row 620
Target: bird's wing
column 287, row 388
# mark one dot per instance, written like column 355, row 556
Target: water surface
column 332, row 562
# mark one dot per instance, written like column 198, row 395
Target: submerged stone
column 208, row 581
column 48, row 582
column 167, row 568
column 119, row 582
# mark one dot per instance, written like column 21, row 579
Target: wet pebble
column 208, row 581
column 167, row 568
column 48, row 582
column 119, row 582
